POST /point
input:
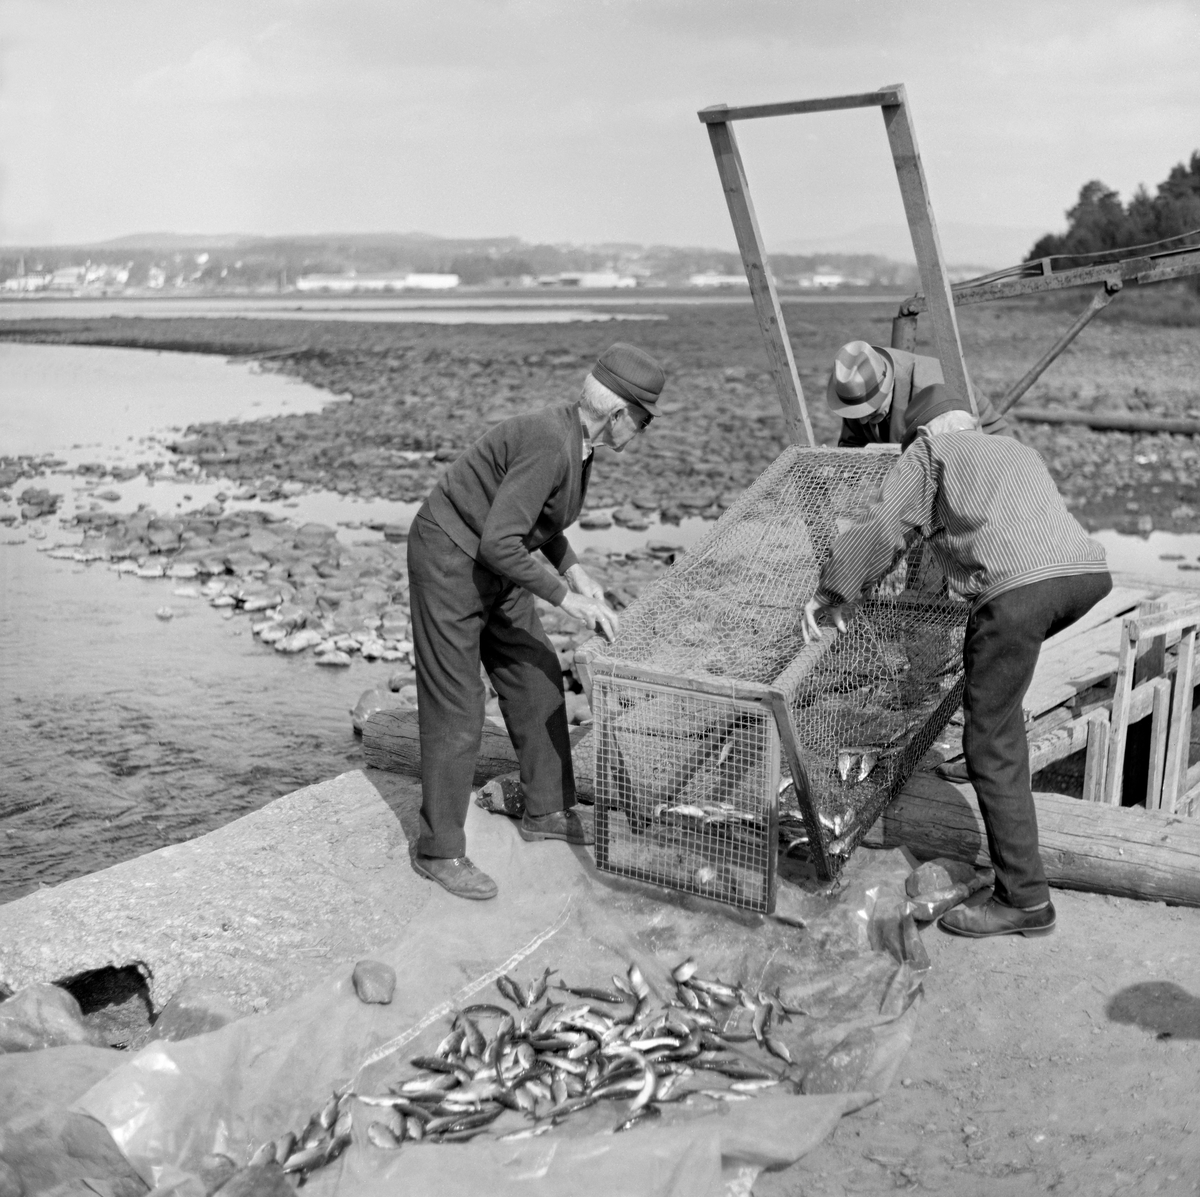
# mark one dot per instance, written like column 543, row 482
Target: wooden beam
column 928, row 248
column 1116, row 421
column 1097, row 757
column 391, row 741
column 1103, row 297
column 1127, row 851
column 1158, row 742
column 762, row 285
column 1178, row 739
column 1156, row 269
column 1119, row 721
column 716, row 114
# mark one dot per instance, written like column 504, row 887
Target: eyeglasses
column 637, row 427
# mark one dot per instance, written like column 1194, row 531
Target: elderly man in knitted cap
column 472, row 581
column 990, row 512
column 870, row 389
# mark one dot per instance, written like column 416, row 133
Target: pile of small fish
column 325, row 1137
column 550, row 1059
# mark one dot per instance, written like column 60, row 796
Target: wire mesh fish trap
column 709, row 692
column 686, row 783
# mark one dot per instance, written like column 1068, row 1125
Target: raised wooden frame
column 914, row 191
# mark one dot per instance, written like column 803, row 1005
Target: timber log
column 1126, row 851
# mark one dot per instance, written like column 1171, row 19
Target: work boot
column 995, row 918
column 558, row 825
column 458, row 875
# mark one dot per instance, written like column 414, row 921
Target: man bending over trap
column 999, row 528
column 472, row 581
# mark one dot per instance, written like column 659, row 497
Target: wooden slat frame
column 762, row 285
column 914, row 191
column 1159, row 721
column 1096, row 761
column 1176, row 771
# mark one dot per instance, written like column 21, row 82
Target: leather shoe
column 558, row 825
column 994, row 918
column 458, row 875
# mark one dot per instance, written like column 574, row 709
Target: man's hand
column 581, row 582
column 593, row 612
column 812, row 609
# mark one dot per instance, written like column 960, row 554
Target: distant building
column 711, row 278
column 827, row 279
column 67, row 278
column 595, row 280
column 24, row 283
column 346, row 283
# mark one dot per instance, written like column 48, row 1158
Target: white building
column 595, row 280
column 345, row 283
column 710, row 278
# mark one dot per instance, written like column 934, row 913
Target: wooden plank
column 1059, row 743
column 1127, row 851
column 1175, row 620
column 1119, row 720
column 762, row 285
column 719, row 113
column 601, row 666
column 1097, row 757
column 1179, row 737
column 930, row 263
column 1063, row 670
column 1158, row 742
column 1120, row 600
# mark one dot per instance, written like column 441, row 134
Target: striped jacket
column 986, row 505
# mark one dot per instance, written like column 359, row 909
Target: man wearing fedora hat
column 472, row 581
column 870, row 388
column 990, row 512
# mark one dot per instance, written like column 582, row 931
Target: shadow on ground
column 1162, row 1007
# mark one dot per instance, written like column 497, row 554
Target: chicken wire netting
column 862, row 706
column 685, row 790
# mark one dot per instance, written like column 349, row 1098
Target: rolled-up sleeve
column 868, row 550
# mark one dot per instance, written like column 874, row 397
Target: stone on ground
column 374, row 982
column 43, row 1016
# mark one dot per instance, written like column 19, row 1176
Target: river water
column 120, row 733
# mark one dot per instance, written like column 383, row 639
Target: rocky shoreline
column 420, row 393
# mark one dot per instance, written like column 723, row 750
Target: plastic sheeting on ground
column 851, row 958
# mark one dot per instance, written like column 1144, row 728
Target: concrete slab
column 264, row 906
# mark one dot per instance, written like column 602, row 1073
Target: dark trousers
column 1000, row 653
column 463, row 614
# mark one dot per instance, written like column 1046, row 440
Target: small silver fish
column 382, row 1136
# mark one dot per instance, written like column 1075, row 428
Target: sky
column 575, row 120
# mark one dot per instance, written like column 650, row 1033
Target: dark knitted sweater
column 513, row 492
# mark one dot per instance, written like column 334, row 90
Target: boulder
column 374, row 982
column 197, row 1007
column 43, row 1016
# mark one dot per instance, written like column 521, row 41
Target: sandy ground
column 1065, row 1064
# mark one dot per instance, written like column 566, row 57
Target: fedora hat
column 860, row 381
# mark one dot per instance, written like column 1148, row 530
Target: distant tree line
column 1099, row 223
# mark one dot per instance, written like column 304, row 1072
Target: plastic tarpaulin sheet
column 850, row 958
